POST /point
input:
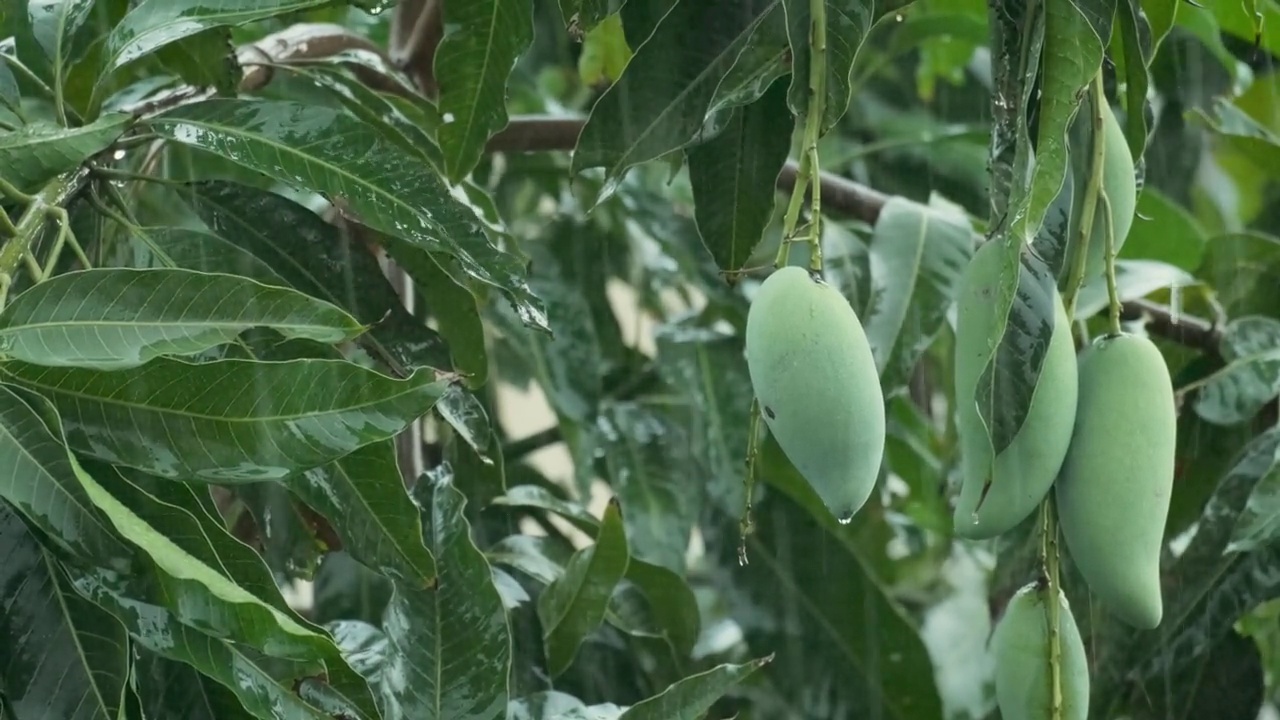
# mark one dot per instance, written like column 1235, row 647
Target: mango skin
column 1120, row 186
column 813, row 373
column 1021, row 647
column 1026, row 469
column 1117, row 481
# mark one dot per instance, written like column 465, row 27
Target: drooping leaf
column 1259, row 523
column 285, row 535
column 363, row 495
column 847, row 25
column 659, row 103
column 337, row 154
column 35, row 153
column 1244, row 270
column 693, row 696
column 574, row 605
column 206, row 59
column 917, row 257
column 733, row 177
column 153, row 24
column 650, row 472
column 53, row 25
column 671, row 603
column 1164, row 231
column 363, row 645
column 313, row 256
column 706, row 366
column 1135, row 60
column 38, row 479
column 9, row 93
column 532, row 496
column 65, row 657
column 472, row 63
column 1251, row 378
column 228, row 421
column 119, row 318
column 449, row 647
column 457, row 315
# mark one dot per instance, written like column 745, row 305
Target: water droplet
column 846, row 517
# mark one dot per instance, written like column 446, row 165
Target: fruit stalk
column 1113, row 295
column 809, row 167
column 1093, row 194
column 1049, row 559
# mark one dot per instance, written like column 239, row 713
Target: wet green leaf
column 473, row 62
column 532, row 496
column 573, row 606
column 287, row 539
column 693, row 696
column 917, row 256
column 1226, row 683
column 765, row 57
column 119, row 318
column 555, row 705
column 1244, row 270
column 1259, row 523
column 153, row 24
column 363, row 495
column 363, row 645
column 53, row 25
column 1251, row 378
column 171, row 688
column 848, row 22
column 733, row 176
column 252, row 228
column 650, row 472
column 1164, row 231
column 39, row 479
column 9, row 92
column 457, row 315
column 205, row 59
column 671, row 602
column 336, row 154
column 1134, row 60
column 659, row 103
column 229, row 420
column 64, row 656
column 449, row 647
column 35, row 153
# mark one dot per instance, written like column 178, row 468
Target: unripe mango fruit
column 1115, row 487
column 1120, row 187
column 1025, row 470
column 1024, row 689
column 815, row 378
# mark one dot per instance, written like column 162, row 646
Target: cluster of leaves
column 202, row 318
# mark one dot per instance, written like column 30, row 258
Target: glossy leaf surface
column 230, row 420
column 35, row 153
column 118, row 318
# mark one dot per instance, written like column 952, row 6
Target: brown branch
column 416, row 31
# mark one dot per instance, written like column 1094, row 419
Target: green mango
column 1115, row 487
column 1024, row 689
column 1025, row 470
column 816, row 380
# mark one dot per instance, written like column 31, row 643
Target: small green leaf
column 336, row 154
column 733, row 177
column 34, row 154
column 848, row 22
column 693, row 696
column 206, row 59
column 457, row 315
column 473, row 62
column 53, row 24
column 65, row 656
column 449, row 646
column 532, row 496
column 118, row 318
column 228, row 421
column 573, row 606
column 1251, row 378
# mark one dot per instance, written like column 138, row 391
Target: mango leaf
column 848, row 22
column 363, row 495
column 1259, row 523
column 38, row 479
column 10, row 96
column 1244, row 270
column 1134, row 279
column 66, row 657
column 1163, row 230
column 1135, row 55
column 659, row 103
column 448, row 647
column 649, row 470
column 257, row 229
column 917, row 256
column 705, row 367
column 532, row 496
column 170, row 688
column 671, row 603
column 338, row 155
column 693, row 696
column 1251, row 378
column 555, row 705
column 120, row 318
column 287, row 536
column 206, row 59
column 228, row 421
column 1226, row 683
column 35, row 153
column 265, row 693
column 363, row 645
column 1236, row 130
column 733, row 177
column 457, row 316
column 573, row 606
column 152, row 24
column 804, row 566
column 472, row 64
column 53, row 25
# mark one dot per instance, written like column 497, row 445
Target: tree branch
column 417, row 29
